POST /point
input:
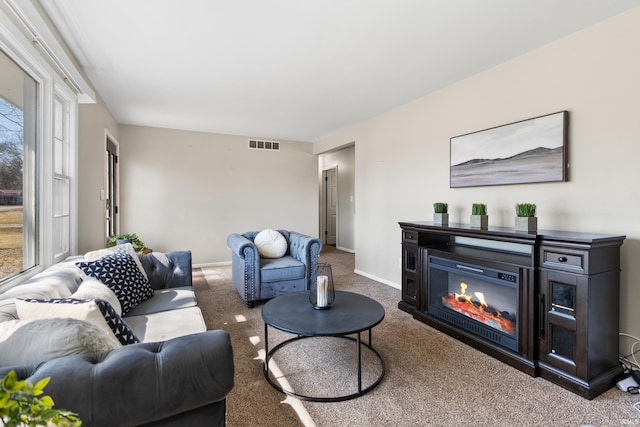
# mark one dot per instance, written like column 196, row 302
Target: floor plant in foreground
column 23, row 404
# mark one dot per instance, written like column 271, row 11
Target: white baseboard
column 340, row 248
column 377, row 279
column 356, row 271
column 211, row 264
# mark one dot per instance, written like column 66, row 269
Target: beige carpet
column 431, row 379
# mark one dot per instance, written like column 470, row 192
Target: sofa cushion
column 34, row 341
column 270, row 244
column 170, row 270
column 121, row 274
column 127, row 247
column 8, row 310
column 165, row 299
column 165, row 325
column 92, row 288
column 98, row 312
column 58, row 281
column 285, row 268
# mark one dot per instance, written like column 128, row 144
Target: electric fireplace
column 475, row 298
column 545, row 303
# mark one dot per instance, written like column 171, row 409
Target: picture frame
column 528, row 151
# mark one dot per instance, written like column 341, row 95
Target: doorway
column 330, row 204
column 112, row 220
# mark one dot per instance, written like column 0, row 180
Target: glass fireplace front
column 480, row 300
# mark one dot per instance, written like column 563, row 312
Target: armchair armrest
column 246, row 266
column 140, row 383
column 306, row 249
column 239, row 246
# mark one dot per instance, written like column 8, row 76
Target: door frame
column 104, row 194
column 323, row 205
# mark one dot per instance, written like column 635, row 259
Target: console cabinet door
column 410, row 274
column 563, row 324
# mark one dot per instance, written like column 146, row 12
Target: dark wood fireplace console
column 568, row 297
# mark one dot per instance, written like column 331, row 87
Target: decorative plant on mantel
column 526, row 219
column 132, row 237
column 479, row 217
column 527, row 210
column 21, row 404
column 440, row 213
column 478, row 209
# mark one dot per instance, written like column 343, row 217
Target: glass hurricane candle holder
column 322, row 294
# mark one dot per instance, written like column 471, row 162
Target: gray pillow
column 33, row 341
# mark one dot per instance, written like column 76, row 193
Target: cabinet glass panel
column 563, row 342
column 410, row 287
column 410, row 261
column 563, row 298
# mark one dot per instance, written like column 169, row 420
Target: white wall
column 190, row 190
column 94, row 119
column 402, row 156
column 344, row 161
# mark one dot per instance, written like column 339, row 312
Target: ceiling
column 297, row 69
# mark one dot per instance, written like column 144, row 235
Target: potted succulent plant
column 440, row 213
column 526, row 219
column 479, row 217
column 22, row 404
column 132, row 238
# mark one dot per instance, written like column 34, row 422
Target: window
column 40, row 89
column 18, row 157
column 61, row 180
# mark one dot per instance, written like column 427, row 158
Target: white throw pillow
column 270, row 244
column 127, row 247
column 92, row 288
column 98, row 312
column 34, row 341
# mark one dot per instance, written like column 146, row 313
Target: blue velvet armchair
column 257, row 278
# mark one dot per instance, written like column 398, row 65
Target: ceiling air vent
column 257, row 144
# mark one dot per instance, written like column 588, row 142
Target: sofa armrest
column 140, row 383
column 170, row 270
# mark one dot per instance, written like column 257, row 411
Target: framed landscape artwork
column 527, row 151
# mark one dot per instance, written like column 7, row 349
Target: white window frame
column 31, row 57
column 63, row 244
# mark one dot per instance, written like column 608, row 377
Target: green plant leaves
column 440, row 207
column 478, row 209
column 526, row 209
column 20, row 406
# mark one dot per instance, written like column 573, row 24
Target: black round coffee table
column 350, row 314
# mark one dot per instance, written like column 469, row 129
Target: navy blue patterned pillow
column 121, row 274
column 96, row 311
column 120, row 329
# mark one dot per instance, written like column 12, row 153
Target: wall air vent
column 257, row 144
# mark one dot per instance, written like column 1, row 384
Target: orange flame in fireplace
column 478, row 309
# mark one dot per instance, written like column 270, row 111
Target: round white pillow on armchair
column 270, row 244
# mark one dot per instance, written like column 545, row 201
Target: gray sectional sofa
column 178, row 374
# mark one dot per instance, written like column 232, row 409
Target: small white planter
column 440, row 218
column 479, row 221
column 525, row 223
